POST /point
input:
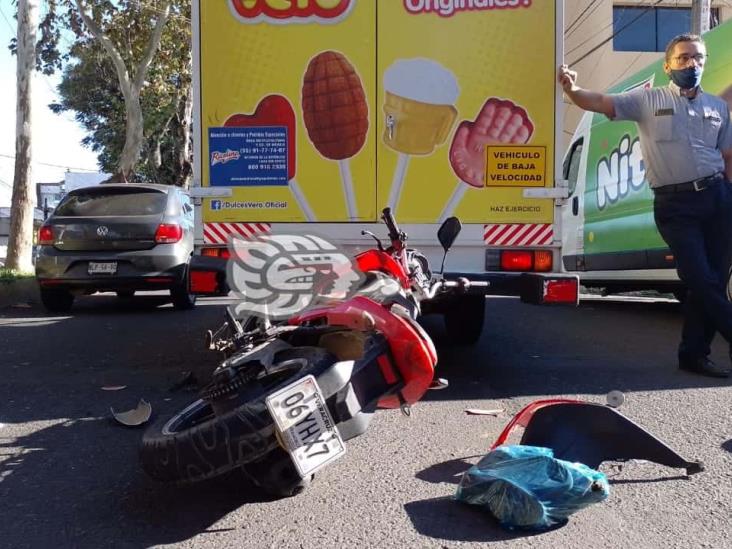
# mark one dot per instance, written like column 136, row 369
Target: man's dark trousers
column 697, row 226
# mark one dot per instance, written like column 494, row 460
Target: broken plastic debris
column 479, row 412
column 133, row 418
column 114, row 387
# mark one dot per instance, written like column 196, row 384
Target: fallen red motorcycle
column 289, row 393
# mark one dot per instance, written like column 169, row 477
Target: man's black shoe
column 705, row 367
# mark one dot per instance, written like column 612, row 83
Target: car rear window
column 100, row 202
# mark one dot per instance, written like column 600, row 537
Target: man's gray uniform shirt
column 680, row 138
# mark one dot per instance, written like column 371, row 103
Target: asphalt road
column 69, row 476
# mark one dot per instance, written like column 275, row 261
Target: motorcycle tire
column 276, row 475
column 196, row 444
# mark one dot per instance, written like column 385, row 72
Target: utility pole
column 700, row 15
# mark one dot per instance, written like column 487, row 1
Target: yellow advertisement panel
column 455, row 78
column 329, row 110
column 286, row 89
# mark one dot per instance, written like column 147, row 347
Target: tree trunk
column 134, row 137
column 185, row 159
column 131, row 86
column 20, row 242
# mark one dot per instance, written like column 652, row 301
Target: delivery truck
column 610, row 237
column 311, row 116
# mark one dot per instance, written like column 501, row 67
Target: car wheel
column 464, row 319
column 57, row 301
column 183, row 300
column 125, row 294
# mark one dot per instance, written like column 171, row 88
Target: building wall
column 606, row 67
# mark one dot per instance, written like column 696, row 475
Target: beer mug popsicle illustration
column 419, row 106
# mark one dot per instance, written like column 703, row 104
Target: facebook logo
column 216, row 205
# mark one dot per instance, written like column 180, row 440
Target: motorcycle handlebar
column 394, row 232
column 462, row 283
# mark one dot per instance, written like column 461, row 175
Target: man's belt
column 696, row 185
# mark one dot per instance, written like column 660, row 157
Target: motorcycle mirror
column 449, row 230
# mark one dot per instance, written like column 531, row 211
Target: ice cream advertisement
column 330, row 110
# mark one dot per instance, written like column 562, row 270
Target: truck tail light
column 561, row 291
column 204, row 283
column 543, row 261
column 168, row 233
column 517, row 260
column 45, row 236
column 539, row 261
column 223, row 253
column 539, row 289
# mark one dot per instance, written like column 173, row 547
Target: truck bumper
column 534, row 288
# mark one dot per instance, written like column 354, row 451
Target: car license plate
column 105, row 268
column 305, row 425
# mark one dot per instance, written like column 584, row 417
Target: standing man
column 686, row 140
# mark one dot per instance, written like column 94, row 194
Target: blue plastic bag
column 525, row 487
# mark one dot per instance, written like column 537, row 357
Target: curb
column 22, row 291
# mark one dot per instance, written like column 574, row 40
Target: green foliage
column 90, row 86
column 8, row 275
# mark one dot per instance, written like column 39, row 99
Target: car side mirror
column 449, row 230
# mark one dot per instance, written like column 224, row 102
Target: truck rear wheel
column 464, row 319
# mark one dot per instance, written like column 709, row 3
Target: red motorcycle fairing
column 414, row 357
column 376, row 260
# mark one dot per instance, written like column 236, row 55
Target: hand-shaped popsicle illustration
column 275, row 110
column 336, row 114
column 419, row 108
column 500, row 122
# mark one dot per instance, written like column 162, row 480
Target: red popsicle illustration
column 276, row 110
column 336, row 114
column 500, row 122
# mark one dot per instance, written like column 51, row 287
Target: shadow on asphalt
column 78, row 483
column 727, row 446
column 446, row 519
column 528, row 350
column 448, row 472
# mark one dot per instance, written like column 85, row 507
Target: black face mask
column 688, row 78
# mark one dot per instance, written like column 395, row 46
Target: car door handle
column 575, row 205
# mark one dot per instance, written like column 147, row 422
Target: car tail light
column 517, row 260
column 45, row 236
column 168, row 233
column 543, row 261
column 223, row 253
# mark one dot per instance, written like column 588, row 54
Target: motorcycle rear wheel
column 196, row 444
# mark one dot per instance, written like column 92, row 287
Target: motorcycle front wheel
column 197, row 444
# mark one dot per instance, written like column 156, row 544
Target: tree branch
column 152, row 46
column 119, row 63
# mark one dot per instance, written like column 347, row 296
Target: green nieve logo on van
column 621, row 172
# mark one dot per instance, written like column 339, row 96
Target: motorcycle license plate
column 105, row 268
column 305, row 425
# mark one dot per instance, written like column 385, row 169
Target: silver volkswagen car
column 116, row 237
